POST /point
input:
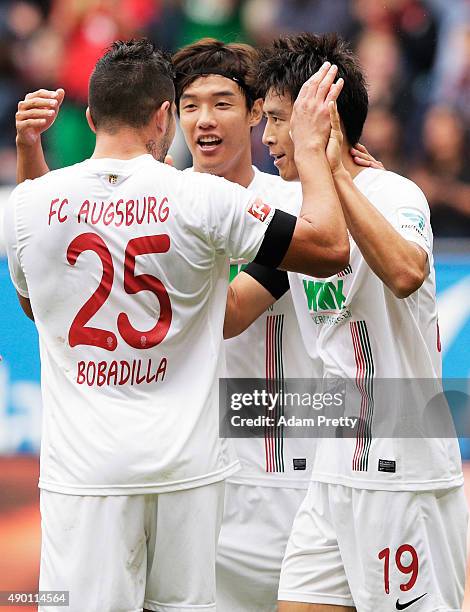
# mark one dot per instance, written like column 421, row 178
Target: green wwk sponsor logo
column 322, row 295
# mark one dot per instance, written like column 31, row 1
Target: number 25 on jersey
column 80, row 333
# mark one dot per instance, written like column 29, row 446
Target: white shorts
column 121, row 553
column 255, row 529
column 377, row 550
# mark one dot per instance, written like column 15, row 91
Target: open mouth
column 208, row 143
column 278, row 158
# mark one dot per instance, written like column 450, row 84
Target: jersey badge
column 259, row 210
column 386, row 465
column 300, row 464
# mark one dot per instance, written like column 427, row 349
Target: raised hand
column 36, row 113
column 362, row 157
column 310, row 121
column 335, row 142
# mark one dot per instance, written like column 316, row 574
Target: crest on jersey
column 259, row 210
column 112, row 178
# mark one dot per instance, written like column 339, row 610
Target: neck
column 348, row 161
column 240, row 172
column 243, row 176
column 125, row 143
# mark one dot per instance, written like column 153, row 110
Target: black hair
column 289, row 61
column 235, row 61
column 130, row 81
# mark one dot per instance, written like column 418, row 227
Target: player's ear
column 256, row 113
column 90, row 120
column 162, row 116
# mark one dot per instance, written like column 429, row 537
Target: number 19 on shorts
column 406, row 561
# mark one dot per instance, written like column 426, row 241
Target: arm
column 399, row 263
column 30, row 162
column 26, row 306
column 36, row 113
column 249, row 294
column 320, row 244
column 246, row 301
column 11, row 246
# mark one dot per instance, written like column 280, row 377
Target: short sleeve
column 411, row 216
column 236, row 220
column 11, row 244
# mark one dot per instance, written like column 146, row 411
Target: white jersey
column 126, row 265
column 272, row 349
column 362, row 332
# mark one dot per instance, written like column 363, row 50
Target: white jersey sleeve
column 412, row 216
column 236, row 219
column 406, row 208
column 11, row 243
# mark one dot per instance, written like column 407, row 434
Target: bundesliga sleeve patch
column 412, row 222
column 261, row 211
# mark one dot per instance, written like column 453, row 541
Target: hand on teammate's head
column 362, row 157
column 334, row 149
column 310, row 123
column 36, row 113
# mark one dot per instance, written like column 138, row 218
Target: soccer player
column 383, row 525
column 123, row 263
column 218, row 106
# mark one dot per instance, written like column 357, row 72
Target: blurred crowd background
column 415, row 54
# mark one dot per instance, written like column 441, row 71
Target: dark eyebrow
column 275, row 113
column 217, row 94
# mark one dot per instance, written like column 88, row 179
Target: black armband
column 274, row 281
column 276, row 240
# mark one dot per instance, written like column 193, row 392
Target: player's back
column 126, row 266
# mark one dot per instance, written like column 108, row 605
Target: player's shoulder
column 391, row 189
column 20, row 189
column 386, row 179
column 285, row 195
column 54, row 177
column 206, row 178
column 206, row 185
column 63, row 173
